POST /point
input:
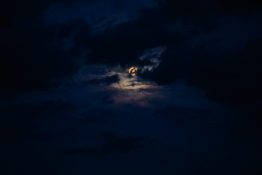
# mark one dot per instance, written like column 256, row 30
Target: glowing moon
column 133, row 71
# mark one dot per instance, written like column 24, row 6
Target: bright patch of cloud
column 152, row 55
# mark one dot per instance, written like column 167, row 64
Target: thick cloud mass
column 69, row 106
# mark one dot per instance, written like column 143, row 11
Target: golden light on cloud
column 133, row 71
column 130, row 89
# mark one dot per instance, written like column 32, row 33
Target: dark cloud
column 29, row 62
column 203, row 6
column 221, row 61
column 122, row 144
column 122, row 44
column 72, row 123
column 195, row 104
column 106, row 80
column 114, row 144
column 242, row 5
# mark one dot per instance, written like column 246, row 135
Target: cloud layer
column 193, row 108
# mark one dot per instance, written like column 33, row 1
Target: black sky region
column 68, row 105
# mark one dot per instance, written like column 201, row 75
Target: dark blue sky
column 69, row 106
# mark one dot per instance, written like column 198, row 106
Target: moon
column 133, row 71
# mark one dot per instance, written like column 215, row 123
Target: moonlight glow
column 133, row 71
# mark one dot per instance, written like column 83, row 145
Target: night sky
column 131, row 87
